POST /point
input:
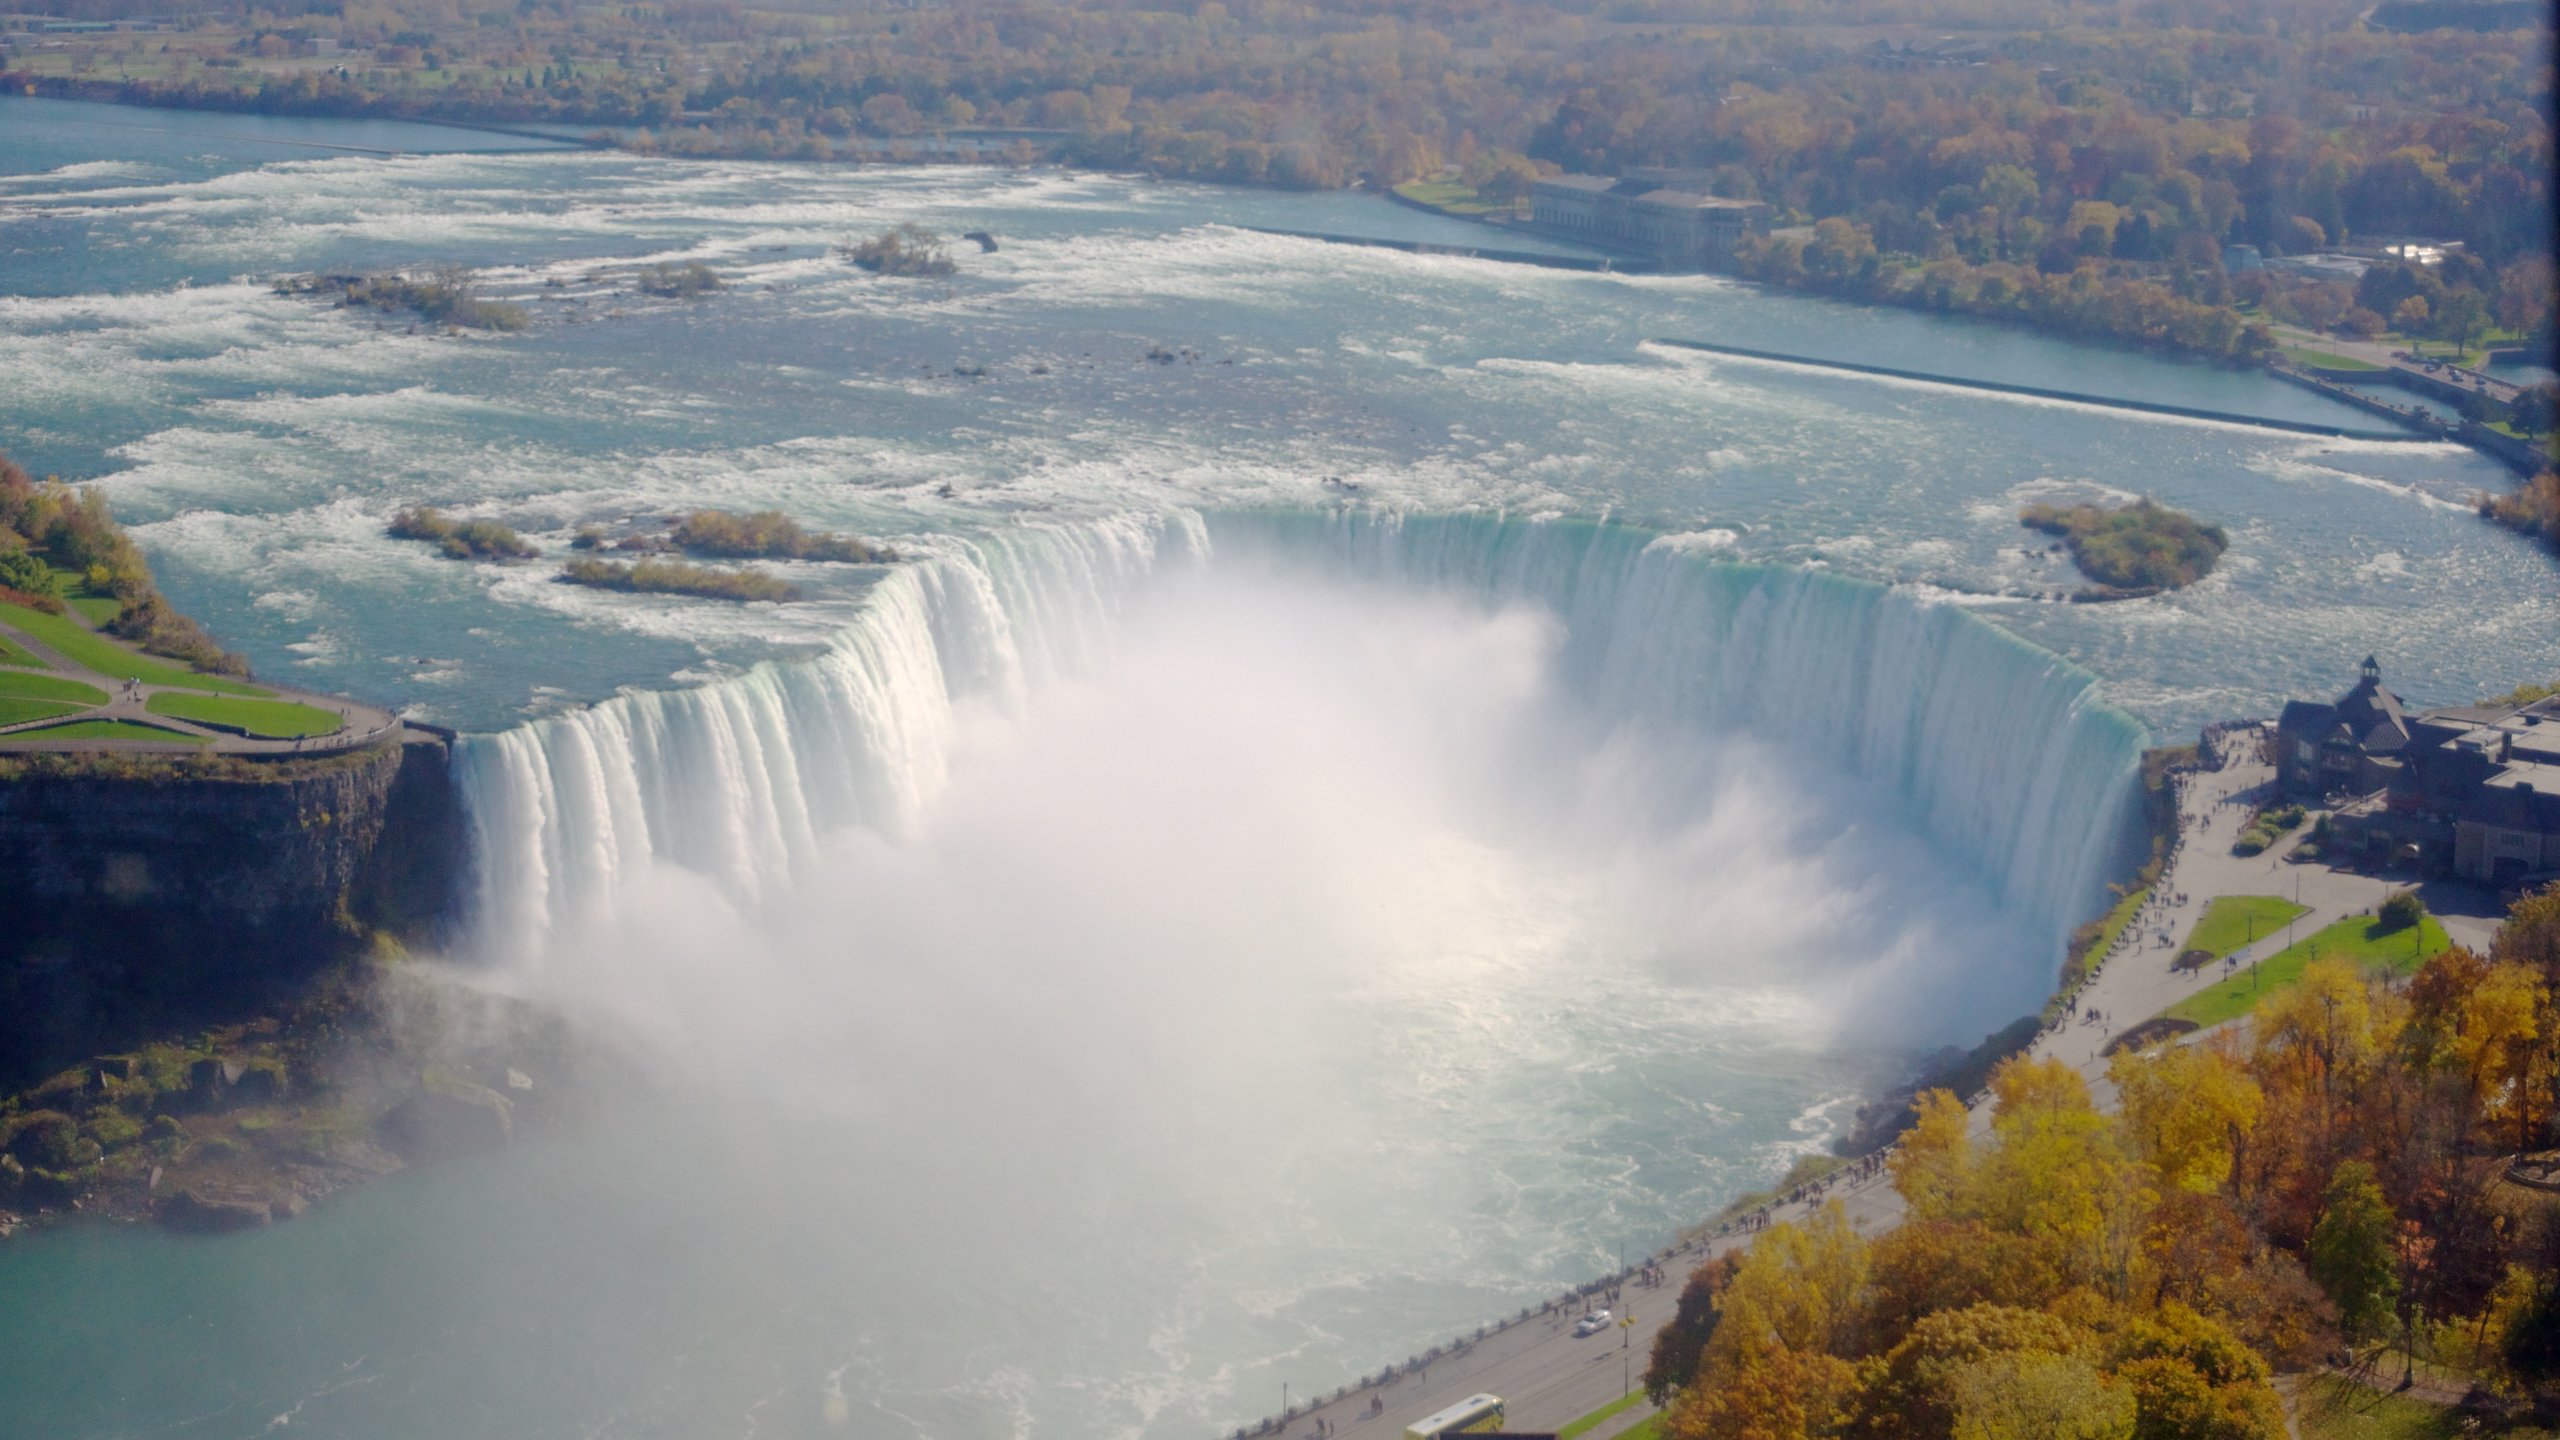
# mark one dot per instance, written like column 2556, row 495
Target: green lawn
column 2112, row 929
column 2355, row 938
column 74, row 589
column 2328, row 361
column 83, row 648
column 107, row 730
column 2232, row 921
column 1615, row 1407
column 12, row 653
column 17, row 711
column 1648, row 1428
column 1448, row 195
column 16, row 686
column 266, row 719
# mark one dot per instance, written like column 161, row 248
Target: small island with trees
column 462, row 540
column 447, row 296
column 770, row 535
column 908, row 249
column 2132, row 550
column 677, row 577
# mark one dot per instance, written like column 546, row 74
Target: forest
column 2075, row 166
column 2323, row 1197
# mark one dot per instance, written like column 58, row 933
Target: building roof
column 1588, row 184
column 1690, row 200
column 2510, row 802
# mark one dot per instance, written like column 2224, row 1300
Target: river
column 1333, row 829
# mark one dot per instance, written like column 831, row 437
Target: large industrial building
column 1663, row 215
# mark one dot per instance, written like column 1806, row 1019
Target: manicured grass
column 1446, row 195
column 67, row 639
column 1648, row 1428
column 2327, row 361
column 2232, row 921
column 2356, row 938
column 74, row 589
column 2113, row 928
column 12, row 653
column 266, row 719
column 49, row 687
column 17, row 711
column 1615, row 1407
column 107, row 730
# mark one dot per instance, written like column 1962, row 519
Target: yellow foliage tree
column 2184, row 1107
column 2062, row 1174
column 1933, row 1166
column 2494, row 1039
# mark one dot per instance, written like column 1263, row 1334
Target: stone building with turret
column 2472, row 789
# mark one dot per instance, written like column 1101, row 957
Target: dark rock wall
column 140, row 899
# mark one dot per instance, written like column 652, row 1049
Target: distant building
column 2348, row 747
column 2236, row 258
column 1649, row 212
column 2474, row 788
column 2323, row 266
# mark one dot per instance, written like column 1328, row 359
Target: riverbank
column 374, row 1068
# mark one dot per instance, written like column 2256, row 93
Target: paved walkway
column 129, row 700
column 1548, row 1376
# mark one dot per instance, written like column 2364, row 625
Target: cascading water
column 2002, row 752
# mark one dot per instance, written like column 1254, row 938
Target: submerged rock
column 211, row 1211
column 449, row 1118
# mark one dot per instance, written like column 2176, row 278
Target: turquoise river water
column 1320, row 840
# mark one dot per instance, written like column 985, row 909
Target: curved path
column 129, row 700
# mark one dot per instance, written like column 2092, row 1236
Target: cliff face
column 140, row 898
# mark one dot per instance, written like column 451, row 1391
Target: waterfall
column 739, row 779
column 2002, row 752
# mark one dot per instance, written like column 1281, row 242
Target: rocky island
column 2131, row 550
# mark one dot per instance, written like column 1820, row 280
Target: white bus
column 1474, row 1412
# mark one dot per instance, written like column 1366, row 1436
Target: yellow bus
column 1476, row 1412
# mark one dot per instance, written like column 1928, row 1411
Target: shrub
column 679, row 282
column 908, row 249
column 44, row 1139
column 769, row 535
column 675, row 577
column 2401, row 910
column 469, row 540
column 447, row 296
column 27, row 575
column 113, row 1129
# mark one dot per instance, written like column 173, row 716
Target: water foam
column 2001, row 752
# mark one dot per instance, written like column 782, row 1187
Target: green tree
column 2351, row 1253
column 2460, row 315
